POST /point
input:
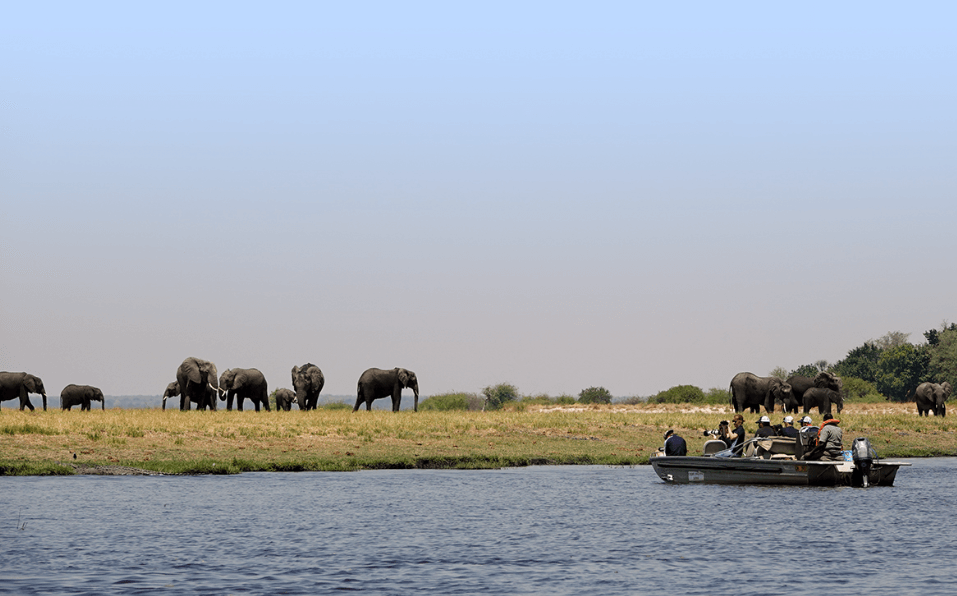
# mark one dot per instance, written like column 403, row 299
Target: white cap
column 806, row 419
column 788, row 420
column 764, row 419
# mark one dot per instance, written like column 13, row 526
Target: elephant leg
column 256, row 403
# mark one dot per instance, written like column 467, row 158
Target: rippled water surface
column 543, row 530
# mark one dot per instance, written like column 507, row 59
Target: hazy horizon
column 553, row 195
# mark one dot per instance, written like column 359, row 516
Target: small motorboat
column 776, row 460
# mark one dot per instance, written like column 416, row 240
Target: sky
column 556, row 195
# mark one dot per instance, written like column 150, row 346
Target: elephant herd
column 196, row 382
column 749, row 391
column 20, row 385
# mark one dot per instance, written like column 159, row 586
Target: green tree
column 679, row 394
column 901, row 369
column 891, row 339
column 497, row 396
column 943, row 358
column 805, row 370
column 594, row 395
column 861, row 362
column 779, row 372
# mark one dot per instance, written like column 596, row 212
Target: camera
column 712, row 433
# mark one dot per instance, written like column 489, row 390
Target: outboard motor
column 863, row 456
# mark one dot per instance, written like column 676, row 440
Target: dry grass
column 225, row 442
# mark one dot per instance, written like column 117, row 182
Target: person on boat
column 725, row 434
column 765, row 429
column 738, row 433
column 675, row 445
column 788, row 430
column 831, row 438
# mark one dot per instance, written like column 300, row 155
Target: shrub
column 544, row 399
column 717, row 396
column 335, row 405
column 452, row 401
column 497, row 395
column 594, row 395
column 679, row 394
column 633, row 400
column 861, row 391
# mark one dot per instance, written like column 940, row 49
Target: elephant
column 376, row 383
column 931, row 397
column 242, row 383
column 199, row 383
column 751, row 391
column 799, row 384
column 172, row 390
column 81, row 395
column 285, row 398
column 21, row 384
column 308, row 382
column 822, row 398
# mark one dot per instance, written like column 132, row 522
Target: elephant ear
column 239, row 380
column 295, row 371
column 190, row 368
column 403, row 377
column 30, row 382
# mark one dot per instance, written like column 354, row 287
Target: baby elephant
column 285, row 398
column 80, row 395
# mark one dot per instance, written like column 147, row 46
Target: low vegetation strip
column 174, row 442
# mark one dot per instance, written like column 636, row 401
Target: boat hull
column 728, row 470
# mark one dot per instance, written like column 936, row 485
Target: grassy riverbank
column 229, row 442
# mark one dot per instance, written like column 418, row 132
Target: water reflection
column 561, row 530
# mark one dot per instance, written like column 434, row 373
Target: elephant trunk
column 44, row 401
column 415, row 402
column 103, row 404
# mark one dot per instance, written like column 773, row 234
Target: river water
column 539, row 530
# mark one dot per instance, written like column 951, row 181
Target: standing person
column 675, row 445
column 765, row 429
column 788, row 429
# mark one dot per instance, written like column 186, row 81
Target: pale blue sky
column 556, row 195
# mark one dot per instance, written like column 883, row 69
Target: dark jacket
column 675, row 445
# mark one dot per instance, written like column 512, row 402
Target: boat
column 776, row 460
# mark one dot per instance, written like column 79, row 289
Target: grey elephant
column 15, row 385
column 172, row 390
column 749, row 391
column 822, row 398
column 285, row 398
column 198, row 383
column 81, row 395
column 931, row 397
column 376, row 383
column 242, row 383
column 308, row 382
column 799, row 384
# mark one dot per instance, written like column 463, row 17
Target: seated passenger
column 831, row 440
column 788, row 429
column 764, row 428
column 737, row 434
column 675, row 445
column 725, row 434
